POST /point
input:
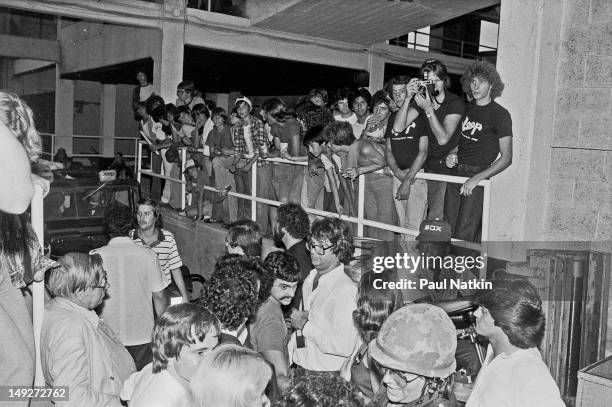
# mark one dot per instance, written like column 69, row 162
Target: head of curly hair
column 484, row 71
column 18, row 117
column 337, row 233
column 231, row 292
column 320, row 389
column 294, row 219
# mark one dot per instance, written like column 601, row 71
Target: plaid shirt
column 258, row 134
column 317, row 117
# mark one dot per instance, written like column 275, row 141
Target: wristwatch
column 429, row 115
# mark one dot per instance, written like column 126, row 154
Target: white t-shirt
column 350, row 120
column 145, row 92
column 148, row 389
column 518, row 380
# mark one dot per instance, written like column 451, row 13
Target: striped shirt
column 166, row 250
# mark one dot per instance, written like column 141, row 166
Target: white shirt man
column 329, row 298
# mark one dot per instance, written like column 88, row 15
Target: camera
column 427, row 86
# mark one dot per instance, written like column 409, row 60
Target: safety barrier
column 360, row 220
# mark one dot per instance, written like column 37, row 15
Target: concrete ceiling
column 364, row 22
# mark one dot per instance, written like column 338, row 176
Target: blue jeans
column 464, row 213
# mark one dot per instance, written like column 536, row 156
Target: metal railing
column 359, row 220
column 52, row 148
column 141, row 171
column 461, row 45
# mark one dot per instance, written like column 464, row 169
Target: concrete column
column 376, row 68
column 559, row 97
column 108, row 101
column 168, row 70
column 64, row 113
column 517, row 197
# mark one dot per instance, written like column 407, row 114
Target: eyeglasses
column 104, row 284
column 399, row 377
column 318, row 248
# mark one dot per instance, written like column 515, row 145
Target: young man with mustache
column 268, row 330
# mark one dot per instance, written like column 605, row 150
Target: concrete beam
column 21, row 66
column 262, row 42
column 88, row 45
column 414, row 57
column 13, row 46
column 258, row 10
column 129, row 12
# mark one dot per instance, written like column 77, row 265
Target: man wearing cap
column 434, row 263
column 251, row 143
column 416, row 351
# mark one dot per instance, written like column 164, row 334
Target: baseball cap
column 244, row 99
column 434, row 231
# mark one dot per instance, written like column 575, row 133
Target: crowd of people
column 410, row 126
column 293, row 327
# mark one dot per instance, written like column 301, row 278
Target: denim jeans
column 378, row 204
column 436, row 191
column 411, row 212
column 464, row 213
column 223, row 177
column 287, row 182
column 264, row 186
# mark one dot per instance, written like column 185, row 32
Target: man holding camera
column 405, row 153
column 442, row 111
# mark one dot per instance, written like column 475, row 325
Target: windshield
column 81, row 202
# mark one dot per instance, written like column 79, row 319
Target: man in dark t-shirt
column 442, row 112
column 405, row 153
column 269, row 335
column 484, row 150
column 291, row 231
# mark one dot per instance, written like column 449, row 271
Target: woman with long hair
column 20, row 255
column 375, row 303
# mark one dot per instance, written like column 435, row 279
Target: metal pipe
column 38, row 288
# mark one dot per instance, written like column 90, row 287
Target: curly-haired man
column 329, row 298
column 485, row 149
column 321, row 390
column 231, row 294
column 268, row 330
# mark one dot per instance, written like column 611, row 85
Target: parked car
column 74, row 211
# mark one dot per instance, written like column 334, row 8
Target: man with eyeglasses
column 268, row 331
column 325, row 334
column 415, row 350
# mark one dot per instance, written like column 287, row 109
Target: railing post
column 360, row 204
column 253, row 191
column 484, row 232
column 183, row 182
column 38, row 288
column 138, row 161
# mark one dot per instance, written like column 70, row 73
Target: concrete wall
column 579, row 195
column 559, row 95
column 87, row 45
